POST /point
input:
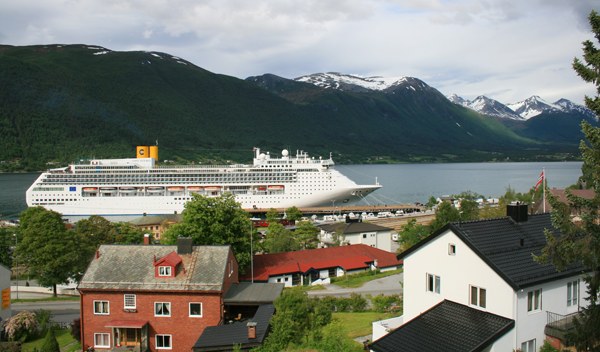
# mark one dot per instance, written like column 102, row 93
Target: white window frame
column 101, row 307
column 164, row 271
column 475, row 296
column 433, row 283
column 105, row 339
column 572, row 293
column 127, row 300
column 528, row 346
column 162, row 336
column 534, row 301
column 156, row 305
column 196, row 315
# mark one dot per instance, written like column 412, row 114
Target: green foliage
column 547, row 347
column 127, row 233
column 445, row 213
column 215, row 221
column 293, row 214
column 43, row 321
column 382, row 303
column 411, row 234
column 272, row 215
column 306, row 235
column 50, row 343
column 334, row 339
column 354, row 303
column 7, row 245
column 580, row 242
column 279, row 239
column 47, row 248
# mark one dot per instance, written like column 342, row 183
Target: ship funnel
column 154, row 152
column 142, row 151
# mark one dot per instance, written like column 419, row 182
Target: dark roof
column 131, row 267
column 155, row 219
column 508, row 247
column 353, row 227
column 351, row 257
column 224, row 337
column 253, row 293
column 446, row 327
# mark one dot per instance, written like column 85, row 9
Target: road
column 389, row 285
column 63, row 312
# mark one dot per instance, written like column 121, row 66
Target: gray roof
column 508, row 248
column 353, row 227
column 155, row 219
column 224, row 337
column 253, row 293
column 446, row 327
column 131, row 267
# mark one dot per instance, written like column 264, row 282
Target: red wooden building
column 149, row 298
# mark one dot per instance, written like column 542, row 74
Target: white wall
column 530, row 325
column 285, row 279
column 457, row 272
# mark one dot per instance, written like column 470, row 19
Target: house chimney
column 146, row 239
column 184, row 245
column 517, row 211
column 251, row 330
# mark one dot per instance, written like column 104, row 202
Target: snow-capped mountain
column 533, row 106
column 347, row 82
column 522, row 110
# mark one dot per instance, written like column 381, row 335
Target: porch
column 558, row 327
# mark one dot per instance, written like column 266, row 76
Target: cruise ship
column 133, row 187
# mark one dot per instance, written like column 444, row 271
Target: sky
column 507, row 50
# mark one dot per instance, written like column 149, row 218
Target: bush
column 43, row 320
column 50, row 343
column 76, row 329
column 21, row 326
column 10, row 347
column 354, row 303
column 382, row 304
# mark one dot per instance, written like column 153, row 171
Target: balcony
column 559, row 326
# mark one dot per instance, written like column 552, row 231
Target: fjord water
column 402, row 183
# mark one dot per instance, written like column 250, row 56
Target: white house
column 359, row 233
column 488, row 265
column 5, row 311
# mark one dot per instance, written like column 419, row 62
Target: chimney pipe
column 517, row 211
column 251, row 330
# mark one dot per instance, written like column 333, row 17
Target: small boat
column 175, row 188
column 262, row 188
column 90, row 189
column 107, row 189
column 155, row 189
column 194, row 188
column 212, row 188
column 127, row 189
column 276, row 187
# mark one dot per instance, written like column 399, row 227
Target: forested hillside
column 63, row 103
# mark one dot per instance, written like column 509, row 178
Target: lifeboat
column 175, row 189
column 212, row 188
column 90, row 189
column 262, row 188
column 155, row 189
column 127, row 189
column 276, row 187
column 107, row 189
column 194, row 188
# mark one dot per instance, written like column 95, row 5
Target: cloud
column 509, row 48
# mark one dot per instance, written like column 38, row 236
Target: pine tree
column 580, row 242
column 50, row 343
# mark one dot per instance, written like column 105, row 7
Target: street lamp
column 16, row 264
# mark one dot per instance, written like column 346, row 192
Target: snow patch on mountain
column 341, row 81
column 533, row 106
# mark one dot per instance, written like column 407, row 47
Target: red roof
column 172, row 259
column 350, row 257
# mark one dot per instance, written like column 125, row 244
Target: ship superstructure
column 138, row 186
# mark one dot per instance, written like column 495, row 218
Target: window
column 528, row 346
column 572, row 292
column 364, row 235
column 164, row 271
column 433, row 283
column 195, row 309
column 162, row 309
column 102, row 340
column 534, row 300
column 478, row 296
column 163, row 342
column 451, row 249
column 129, row 301
column 101, row 307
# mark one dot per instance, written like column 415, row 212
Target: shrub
column 76, row 329
column 50, row 343
column 21, row 326
column 382, row 304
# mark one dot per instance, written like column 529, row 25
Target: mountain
column 61, row 103
column 489, row 107
column 533, row 106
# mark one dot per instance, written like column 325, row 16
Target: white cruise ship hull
column 124, row 188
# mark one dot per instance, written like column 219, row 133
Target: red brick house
column 149, row 298
column 314, row 266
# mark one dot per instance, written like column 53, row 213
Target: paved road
column 390, row 285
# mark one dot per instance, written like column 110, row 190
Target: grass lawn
column 357, row 280
column 66, row 342
column 359, row 324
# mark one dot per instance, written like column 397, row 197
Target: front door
column 128, row 337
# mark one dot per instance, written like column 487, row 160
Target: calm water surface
column 403, row 183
